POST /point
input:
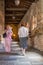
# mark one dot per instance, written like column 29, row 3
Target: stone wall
column 38, row 42
column 1, row 16
column 34, row 17
column 38, row 39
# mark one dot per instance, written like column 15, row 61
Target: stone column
column 1, row 16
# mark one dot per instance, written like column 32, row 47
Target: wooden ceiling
column 14, row 13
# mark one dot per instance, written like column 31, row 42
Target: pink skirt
column 7, row 44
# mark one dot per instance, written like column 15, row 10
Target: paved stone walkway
column 31, row 58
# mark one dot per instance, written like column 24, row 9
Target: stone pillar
column 1, row 16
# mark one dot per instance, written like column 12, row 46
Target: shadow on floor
column 31, row 49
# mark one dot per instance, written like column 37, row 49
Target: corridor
column 13, row 13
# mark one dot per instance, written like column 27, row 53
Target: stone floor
column 31, row 58
column 35, row 50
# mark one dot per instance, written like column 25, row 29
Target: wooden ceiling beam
column 17, row 9
column 13, row 19
column 12, row 22
column 10, row 17
column 14, row 14
column 21, row 5
column 27, row 4
column 28, row 1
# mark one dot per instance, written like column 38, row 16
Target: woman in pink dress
column 8, row 38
